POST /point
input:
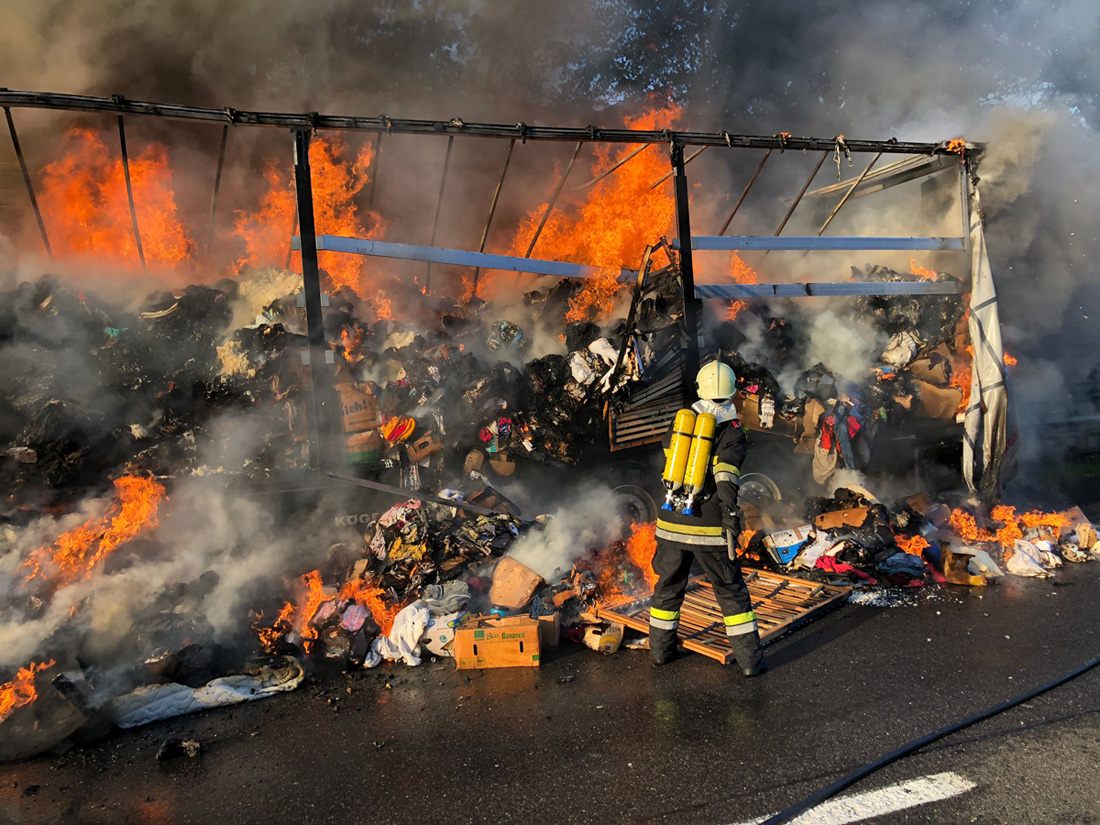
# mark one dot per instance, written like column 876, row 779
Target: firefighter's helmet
column 716, row 381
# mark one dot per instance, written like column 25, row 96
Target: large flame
column 338, row 177
column 641, row 546
column 21, row 690
column 619, row 216
column 1012, row 525
column 372, row 597
column 79, row 552
column 84, row 204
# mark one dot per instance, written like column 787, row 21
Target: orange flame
column 21, row 690
column 741, row 273
column 619, row 216
column 961, row 375
column 1011, row 360
column 372, row 597
column 956, row 146
column 914, row 545
column 84, row 203
column 338, row 178
column 351, row 341
column 922, row 271
column 79, row 552
column 640, row 547
column 270, row 636
column 1012, row 524
column 310, row 601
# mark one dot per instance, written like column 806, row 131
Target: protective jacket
column 704, row 531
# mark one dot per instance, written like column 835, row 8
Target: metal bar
column 293, row 238
column 320, row 419
column 613, row 169
column 886, row 177
column 130, row 192
column 419, row 496
column 456, row 126
column 728, row 292
column 848, row 194
column 493, row 208
column 687, row 271
column 217, row 187
column 456, row 257
column 964, row 204
column 668, row 175
column 28, row 183
column 829, row 242
column 374, row 173
column 745, row 192
column 798, row 198
column 553, row 200
column 439, row 207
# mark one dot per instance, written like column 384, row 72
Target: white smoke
column 591, row 519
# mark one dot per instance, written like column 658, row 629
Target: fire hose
column 915, row 745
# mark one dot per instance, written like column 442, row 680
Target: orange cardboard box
column 488, row 641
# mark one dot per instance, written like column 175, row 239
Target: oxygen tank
column 677, row 458
column 702, row 442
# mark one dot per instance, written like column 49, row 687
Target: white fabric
column 153, row 702
column 1024, row 560
column 403, row 643
column 726, row 411
column 605, row 350
column 986, row 417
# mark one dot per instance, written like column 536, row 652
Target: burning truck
column 305, row 458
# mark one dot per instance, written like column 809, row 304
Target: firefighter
column 702, row 535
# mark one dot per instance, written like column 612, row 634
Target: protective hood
column 723, row 412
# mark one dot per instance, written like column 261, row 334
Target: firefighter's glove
column 731, row 522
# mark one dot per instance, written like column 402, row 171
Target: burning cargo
column 208, row 487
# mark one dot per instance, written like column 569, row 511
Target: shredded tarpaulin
column 403, row 642
column 151, row 703
column 986, row 418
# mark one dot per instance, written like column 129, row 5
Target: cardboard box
column 359, row 409
column 850, row 517
column 785, row 545
column 366, row 447
column 550, row 630
column 514, row 583
column 487, row 641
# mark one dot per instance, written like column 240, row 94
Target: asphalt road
column 590, row 738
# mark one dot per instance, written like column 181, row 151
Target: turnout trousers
column 672, row 563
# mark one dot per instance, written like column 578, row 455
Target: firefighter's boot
column 749, row 654
column 662, row 646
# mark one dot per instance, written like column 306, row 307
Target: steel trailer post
column 745, row 192
column 28, row 182
column 130, row 192
column 439, row 207
column 321, row 451
column 687, row 271
column 217, row 188
column 553, row 199
column 374, row 172
column 493, row 209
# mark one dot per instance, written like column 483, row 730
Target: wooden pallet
column 781, row 603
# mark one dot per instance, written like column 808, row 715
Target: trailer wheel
column 636, row 505
column 760, row 490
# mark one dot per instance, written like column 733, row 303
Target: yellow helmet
column 716, row 381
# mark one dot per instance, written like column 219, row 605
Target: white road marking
column 888, row 800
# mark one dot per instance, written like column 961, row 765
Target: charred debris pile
column 112, row 415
